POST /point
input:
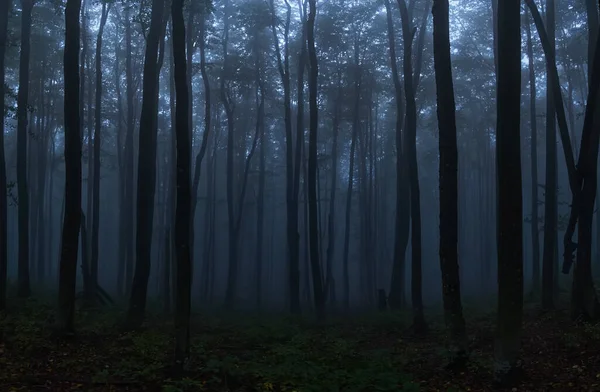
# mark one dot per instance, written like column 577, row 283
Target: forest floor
column 374, row 352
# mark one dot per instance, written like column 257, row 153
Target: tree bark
column 448, row 183
column 408, row 33
column 97, row 142
column 312, row 163
column 72, row 216
column 146, row 170
column 396, row 296
column 535, row 233
column 183, row 218
column 510, row 204
column 24, row 289
column 4, row 7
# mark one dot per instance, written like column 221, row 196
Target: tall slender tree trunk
column 550, row 202
column 396, row 296
column 535, row 233
column 4, row 7
column 510, row 204
column 97, row 142
column 72, row 217
column 146, row 183
column 183, row 218
column 446, row 115
column 128, row 154
column 312, row 163
column 24, row 289
column 260, row 203
column 413, row 173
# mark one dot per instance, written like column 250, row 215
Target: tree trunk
column 97, row 142
column 535, row 233
column 183, row 210
column 260, row 204
column 4, row 7
column 129, row 166
column 408, row 32
column 448, row 183
column 396, row 296
column 312, row 163
column 550, row 203
column 510, row 204
column 584, row 301
column 72, row 217
column 24, row 289
column 146, row 171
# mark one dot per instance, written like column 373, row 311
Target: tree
column 183, row 218
column 448, row 183
column 24, row 289
column 72, row 216
column 510, row 204
column 535, row 234
column 4, row 7
column 319, row 295
column 408, row 32
column 146, row 170
column 396, row 296
column 550, row 202
column 97, row 142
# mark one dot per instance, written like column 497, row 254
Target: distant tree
column 510, row 204
column 72, row 216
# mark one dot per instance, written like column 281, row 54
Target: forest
column 299, row 195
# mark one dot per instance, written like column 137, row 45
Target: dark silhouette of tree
column 4, row 7
column 72, row 216
column 146, row 169
column 510, row 204
column 448, row 183
column 396, row 297
column 183, row 218
column 313, row 73
column 24, row 289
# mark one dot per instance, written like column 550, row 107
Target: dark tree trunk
column 419, row 324
column 260, row 203
column 3, row 199
column 293, row 242
column 584, row 301
column 330, row 285
column 97, row 142
column 446, row 115
column 396, row 296
column 207, row 114
column 510, row 204
column 312, row 163
column 128, row 154
column 24, row 289
column 535, row 233
column 146, row 170
column 550, row 203
column 72, row 217
column 348, row 214
column 184, row 206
